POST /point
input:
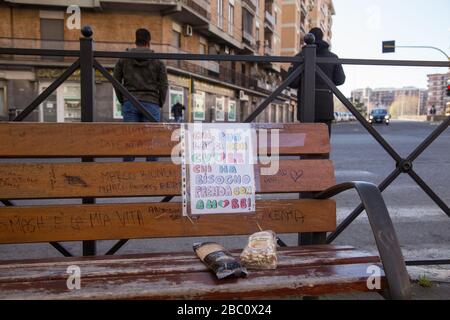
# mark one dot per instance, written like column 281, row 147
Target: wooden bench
column 305, row 270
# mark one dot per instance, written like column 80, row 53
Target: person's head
column 143, row 38
column 318, row 33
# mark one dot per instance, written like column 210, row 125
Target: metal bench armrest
column 385, row 236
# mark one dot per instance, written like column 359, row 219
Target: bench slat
column 157, row 220
column 282, row 282
column 75, row 180
column 166, row 256
column 151, row 264
column 119, row 139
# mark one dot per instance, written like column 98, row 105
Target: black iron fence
column 307, row 67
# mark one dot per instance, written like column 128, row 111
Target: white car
column 345, row 116
column 337, row 117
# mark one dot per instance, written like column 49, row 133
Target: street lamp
column 390, row 46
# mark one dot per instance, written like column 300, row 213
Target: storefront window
column 175, row 95
column 48, row 108
column 3, row 108
column 199, row 106
column 72, row 103
column 232, row 110
column 117, row 107
column 220, row 109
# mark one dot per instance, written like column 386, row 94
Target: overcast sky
column 360, row 26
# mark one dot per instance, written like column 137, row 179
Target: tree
column 360, row 107
column 404, row 105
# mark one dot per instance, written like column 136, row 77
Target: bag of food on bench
column 261, row 251
column 219, row 260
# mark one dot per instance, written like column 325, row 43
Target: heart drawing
column 296, row 175
column 224, row 203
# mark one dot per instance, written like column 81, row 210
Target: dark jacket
column 324, row 105
column 177, row 109
column 146, row 79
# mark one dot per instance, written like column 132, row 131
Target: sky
column 360, row 26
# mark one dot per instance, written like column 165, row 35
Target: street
column 423, row 228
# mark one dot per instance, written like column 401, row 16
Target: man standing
column 145, row 79
column 324, row 106
column 177, row 111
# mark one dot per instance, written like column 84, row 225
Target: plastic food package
column 261, row 251
column 219, row 260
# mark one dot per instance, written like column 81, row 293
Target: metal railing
column 307, row 66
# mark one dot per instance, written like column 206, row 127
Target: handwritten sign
column 218, row 169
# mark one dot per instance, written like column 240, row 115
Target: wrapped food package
column 261, row 251
column 219, row 260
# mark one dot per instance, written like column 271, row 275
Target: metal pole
column 306, row 108
column 87, row 105
column 425, row 47
column 308, row 83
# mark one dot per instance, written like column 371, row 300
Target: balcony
column 202, row 7
column 230, row 28
column 269, row 21
column 248, row 38
column 211, row 66
column 250, row 4
column 268, row 50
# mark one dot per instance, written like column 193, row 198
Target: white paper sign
column 220, row 169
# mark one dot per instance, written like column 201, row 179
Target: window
column 117, row 107
column 176, row 39
column 176, row 94
column 257, row 37
column 3, row 108
column 52, row 36
column 48, row 109
column 247, row 22
column 202, row 48
column 230, row 19
column 220, row 13
column 72, row 103
column 220, row 109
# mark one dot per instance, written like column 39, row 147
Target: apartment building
column 211, row 91
column 385, row 97
column 437, row 88
column 298, row 17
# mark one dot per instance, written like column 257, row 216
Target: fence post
column 308, row 83
column 87, row 105
column 307, row 102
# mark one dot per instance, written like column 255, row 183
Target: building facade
column 211, row 91
column 437, row 88
column 384, row 97
column 300, row 16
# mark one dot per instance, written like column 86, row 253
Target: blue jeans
column 178, row 119
column 131, row 114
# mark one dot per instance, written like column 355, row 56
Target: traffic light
column 448, row 90
column 388, row 46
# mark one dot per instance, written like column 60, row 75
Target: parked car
column 379, row 116
column 337, row 117
column 345, row 116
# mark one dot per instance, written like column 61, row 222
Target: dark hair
column 143, row 37
column 318, row 33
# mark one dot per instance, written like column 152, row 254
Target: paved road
column 422, row 227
